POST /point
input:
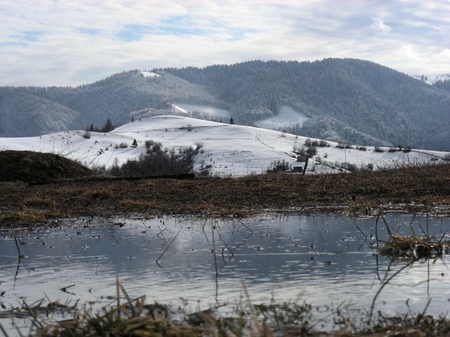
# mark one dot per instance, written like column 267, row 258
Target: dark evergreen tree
column 108, row 126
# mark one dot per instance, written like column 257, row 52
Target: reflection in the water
column 325, row 260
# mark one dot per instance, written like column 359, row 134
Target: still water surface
column 325, row 260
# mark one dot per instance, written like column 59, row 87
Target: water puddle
column 324, row 260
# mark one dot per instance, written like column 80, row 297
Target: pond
column 326, row 260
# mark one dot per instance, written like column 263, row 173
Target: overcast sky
column 72, row 42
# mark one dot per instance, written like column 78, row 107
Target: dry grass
column 132, row 317
column 413, row 247
column 418, row 188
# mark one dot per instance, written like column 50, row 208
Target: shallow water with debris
column 326, row 260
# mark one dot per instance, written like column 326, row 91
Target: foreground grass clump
column 408, row 325
column 135, row 318
column 412, row 247
column 118, row 322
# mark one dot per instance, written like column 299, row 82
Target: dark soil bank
column 35, row 167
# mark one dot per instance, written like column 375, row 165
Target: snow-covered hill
column 226, row 150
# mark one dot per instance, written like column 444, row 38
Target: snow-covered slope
column 226, row 150
column 286, row 118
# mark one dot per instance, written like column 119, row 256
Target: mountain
column 342, row 100
column 345, row 100
column 119, row 98
column 23, row 114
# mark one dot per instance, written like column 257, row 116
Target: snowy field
column 226, row 150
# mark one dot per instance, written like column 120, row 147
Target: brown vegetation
column 35, row 167
column 133, row 317
column 412, row 188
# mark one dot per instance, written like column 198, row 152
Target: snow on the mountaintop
column 149, row 74
column 227, row 150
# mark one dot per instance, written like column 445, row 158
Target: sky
column 74, row 42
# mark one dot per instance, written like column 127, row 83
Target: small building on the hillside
column 297, row 166
column 302, row 164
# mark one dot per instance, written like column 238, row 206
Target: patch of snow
column 179, row 109
column 149, row 74
column 431, row 79
column 205, row 110
column 287, row 117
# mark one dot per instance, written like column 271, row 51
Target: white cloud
column 442, row 60
column 407, row 51
column 73, row 42
column 445, row 53
column 379, row 25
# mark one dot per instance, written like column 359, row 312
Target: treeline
column 157, row 162
column 443, row 84
column 108, row 127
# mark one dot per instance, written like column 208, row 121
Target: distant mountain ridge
column 114, row 98
column 343, row 100
column 347, row 100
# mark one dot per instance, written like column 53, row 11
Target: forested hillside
column 445, row 85
column 116, row 98
column 22, row 114
column 346, row 100
column 120, row 94
column 343, row 100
